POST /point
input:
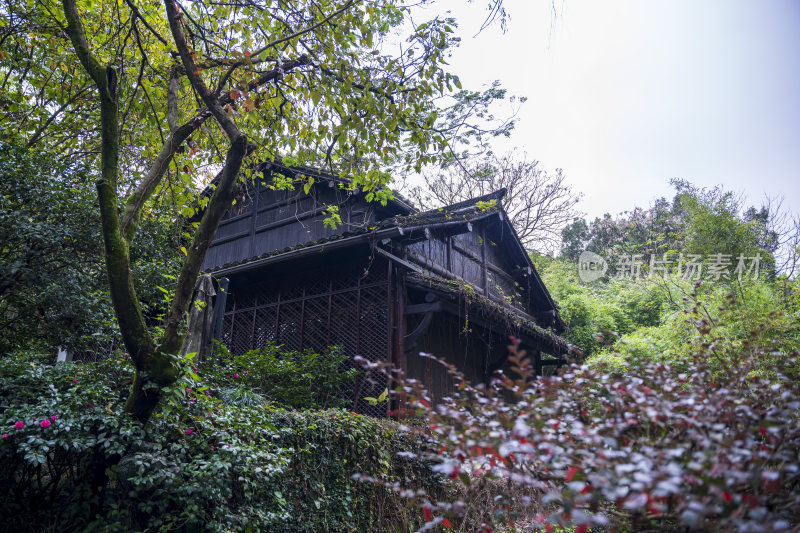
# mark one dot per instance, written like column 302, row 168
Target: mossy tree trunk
column 154, row 364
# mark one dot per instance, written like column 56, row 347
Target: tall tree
column 702, row 222
column 164, row 97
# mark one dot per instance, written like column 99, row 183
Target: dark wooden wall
column 480, row 258
column 348, row 305
column 468, row 347
column 264, row 220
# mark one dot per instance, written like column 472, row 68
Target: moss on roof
column 492, row 308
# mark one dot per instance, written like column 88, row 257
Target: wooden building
column 387, row 283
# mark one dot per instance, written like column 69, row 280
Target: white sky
column 624, row 95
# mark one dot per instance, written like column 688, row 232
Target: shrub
column 297, row 379
column 201, row 465
column 328, row 449
column 49, row 468
column 650, row 448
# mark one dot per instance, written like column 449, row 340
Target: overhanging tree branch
column 148, row 185
column 223, row 195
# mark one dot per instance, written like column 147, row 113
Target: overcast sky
column 624, row 95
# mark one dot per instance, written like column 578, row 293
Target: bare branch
column 43, row 127
column 138, row 14
column 539, row 204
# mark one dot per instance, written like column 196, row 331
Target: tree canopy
column 164, row 99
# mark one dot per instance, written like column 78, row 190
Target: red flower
column 446, row 523
column 427, row 511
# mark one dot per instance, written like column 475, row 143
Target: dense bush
column 51, row 252
column 53, row 288
column 297, row 379
column 201, row 465
column 647, row 317
column 736, row 320
column 714, row 447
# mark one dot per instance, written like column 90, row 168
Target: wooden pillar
column 219, row 312
column 400, row 361
column 483, row 261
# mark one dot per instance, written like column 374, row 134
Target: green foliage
column 202, row 465
column 329, row 448
column 82, row 408
column 655, row 318
column 51, row 275
column 737, row 319
column 347, row 95
column 697, row 221
column 610, row 310
column 294, row 379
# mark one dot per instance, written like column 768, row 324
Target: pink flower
column 19, row 425
column 53, row 417
column 45, row 423
column 235, row 376
column 245, row 372
column 74, row 380
column 5, row 435
column 188, row 431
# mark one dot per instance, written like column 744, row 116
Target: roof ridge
column 498, row 195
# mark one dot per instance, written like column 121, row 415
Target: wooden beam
column 392, row 257
column 253, row 220
column 416, row 309
column 219, row 311
column 399, row 333
column 411, row 339
column 449, row 253
column 229, row 238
